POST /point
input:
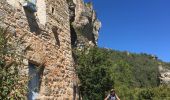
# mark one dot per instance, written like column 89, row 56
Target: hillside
column 134, row 76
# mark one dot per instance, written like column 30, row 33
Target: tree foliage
column 134, row 76
column 94, row 73
column 11, row 86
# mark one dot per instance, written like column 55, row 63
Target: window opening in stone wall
column 35, row 77
column 56, row 32
column 32, row 20
column 30, row 5
column 52, row 10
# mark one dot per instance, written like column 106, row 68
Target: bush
column 94, row 73
column 11, row 86
column 134, row 76
column 146, row 94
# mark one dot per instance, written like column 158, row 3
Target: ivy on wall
column 12, row 85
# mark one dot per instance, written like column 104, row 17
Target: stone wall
column 44, row 43
column 47, row 37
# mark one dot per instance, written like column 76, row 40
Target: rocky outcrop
column 164, row 75
column 84, row 28
column 84, row 24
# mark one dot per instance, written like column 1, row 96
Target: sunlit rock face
column 164, row 75
column 84, row 23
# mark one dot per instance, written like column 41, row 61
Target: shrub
column 11, row 86
column 94, row 74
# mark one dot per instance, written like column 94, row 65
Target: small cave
column 73, row 36
column 73, row 33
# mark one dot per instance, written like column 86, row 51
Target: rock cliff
column 84, row 24
column 164, row 75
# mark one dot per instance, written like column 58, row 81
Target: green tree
column 146, row 94
column 134, row 76
column 94, row 73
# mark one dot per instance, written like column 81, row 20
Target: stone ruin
column 49, row 32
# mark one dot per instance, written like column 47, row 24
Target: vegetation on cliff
column 134, row 76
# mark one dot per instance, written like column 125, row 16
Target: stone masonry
column 49, row 44
column 47, row 40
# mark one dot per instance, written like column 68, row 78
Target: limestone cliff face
column 164, row 75
column 85, row 25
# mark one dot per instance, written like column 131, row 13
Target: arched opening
column 32, row 22
column 35, row 78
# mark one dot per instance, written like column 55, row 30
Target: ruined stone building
column 49, row 30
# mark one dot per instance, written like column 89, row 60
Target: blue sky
column 135, row 26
